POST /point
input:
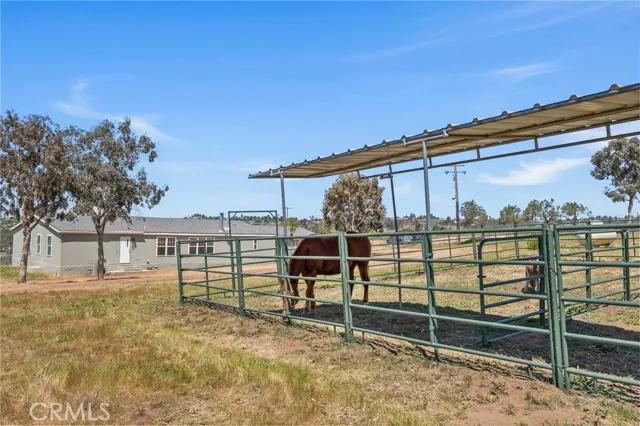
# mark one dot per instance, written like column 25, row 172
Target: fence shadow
column 611, row 359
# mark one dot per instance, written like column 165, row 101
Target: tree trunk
column 24, row 259
column 630, row 207
column 100, row 267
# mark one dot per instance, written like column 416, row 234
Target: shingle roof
column 156, row 225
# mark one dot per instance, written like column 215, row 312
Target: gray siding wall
column 77, row 253
column 80, row 252
column 39, row 261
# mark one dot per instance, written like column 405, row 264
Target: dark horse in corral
column 326, row 246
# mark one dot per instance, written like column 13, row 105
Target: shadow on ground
column 603, row 358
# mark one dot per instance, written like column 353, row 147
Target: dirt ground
column 86, row 283
column 156, row 361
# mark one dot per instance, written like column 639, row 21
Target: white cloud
column 515, row 20
column 524, row 71
column 543, row 171
column 78, row 105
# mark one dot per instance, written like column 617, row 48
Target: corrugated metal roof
column 618, row 104
column 161, row 225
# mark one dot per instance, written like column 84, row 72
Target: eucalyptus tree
column 510, row 215
column 109, row 180
column 573, row 211
column 619, row 163
column 354, row 204
column 473, row 214
column 542, row 210
column 35, row 159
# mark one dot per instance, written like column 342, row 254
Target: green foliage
column 510, row 215
column 108, row 181
column 292, row 224
column 473, row 214
column 35, row 157
column 573, row 211
column 619, row 164
column 354, row 204
column 543, row 211
column 532, row 244
column 6, row 237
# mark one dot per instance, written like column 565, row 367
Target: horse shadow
column 598, row 357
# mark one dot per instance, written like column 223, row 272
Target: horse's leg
column 307, row 294
column 363, row 268
column 311, row 293
column 281, row 289
column 352, row 268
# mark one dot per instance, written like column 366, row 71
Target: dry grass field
column 127, row 342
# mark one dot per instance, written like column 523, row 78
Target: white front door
column 125, row 247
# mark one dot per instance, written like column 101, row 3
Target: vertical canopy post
column 284, row 205
column 425, row 171
column 397, row 239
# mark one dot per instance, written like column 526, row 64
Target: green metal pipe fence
column 454, row 294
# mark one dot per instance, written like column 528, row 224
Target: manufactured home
column 70, row 247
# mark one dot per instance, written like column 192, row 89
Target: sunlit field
column 154, row 360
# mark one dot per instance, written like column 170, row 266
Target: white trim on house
column 166, row 246
column 125, row 233
column 38, row 244
column 49, row 245
column 40, row 222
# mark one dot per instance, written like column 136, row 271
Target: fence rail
column 455, row 294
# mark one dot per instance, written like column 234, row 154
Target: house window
column 38, row 244
column 255, row 244
column 166, row 246
column 211, row 247
column 197, row 246
column 49, row 245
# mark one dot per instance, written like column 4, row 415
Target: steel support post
column 232, row 262
column 397, row 240
column 554, row 325
column 425, row 172
column 427, row 253
column 346, row 291
column 282, row 270
column 179, row 266
column 240, row 280
column 542, row 284
column 206, row 273
column 481, row 278
column 588, row 243
column 284, row 206
column 626, row 272
column 553, row 272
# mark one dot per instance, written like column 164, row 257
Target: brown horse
column 325, row 246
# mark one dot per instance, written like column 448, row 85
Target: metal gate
column 437, row 274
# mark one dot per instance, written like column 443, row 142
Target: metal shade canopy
column 603, row 109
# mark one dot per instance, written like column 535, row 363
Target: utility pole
column 454, row 173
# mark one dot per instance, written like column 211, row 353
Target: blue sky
column 229, row 88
